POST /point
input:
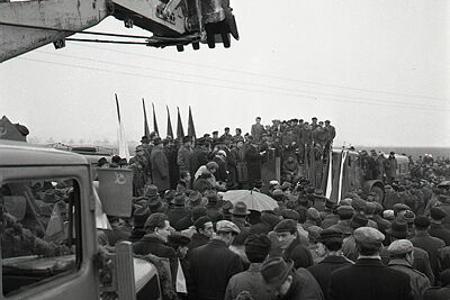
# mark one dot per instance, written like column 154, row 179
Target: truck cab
column 48, row 240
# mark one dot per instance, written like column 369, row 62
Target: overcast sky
column 379, row 70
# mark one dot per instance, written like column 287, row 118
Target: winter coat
column 184, row 158
column 211, row 267
column 419, row 282
column 431, row 245
column 304, row 286
column 160, row 168
column 152, row 244
column 254, row 163
column 322, row 271
column 369, row 279
column 251, row 281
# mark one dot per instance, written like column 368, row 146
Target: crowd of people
column 309, row 247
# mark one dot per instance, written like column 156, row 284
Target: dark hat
column 157, row 141
column 345, row 212
column 398, row 230
column 269, row 218
column 437, row 213
column 257, row 246
column 177, row 239
column 286, row 225
column 275, row 271
column 155, row 205
column 314, row 118
column 318, row 192
column 179, row 200
column 359, row 220
column 289, row 214
column 198, row 212
column 422, row 222
column 187, row 139
column 331, row 234
column 397, row 207
column 200, row 222
column 215, row 132
column 140, row 215
column 240, row 209
column 368, row 237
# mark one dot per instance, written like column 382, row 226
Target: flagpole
column 146, row 129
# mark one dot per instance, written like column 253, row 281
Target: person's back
column 212, row 265
column 442, row 292
column 256, row 249
column 368, row 278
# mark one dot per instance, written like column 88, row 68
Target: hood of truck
column 23, row 154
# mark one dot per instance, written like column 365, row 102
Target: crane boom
column 27, row 25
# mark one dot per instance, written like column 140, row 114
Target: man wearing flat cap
column 398, row 231
column 331, row 239
column 345, row 214
column 437, row 214
column 212, row 265
column 402, row 258
column 368, row 278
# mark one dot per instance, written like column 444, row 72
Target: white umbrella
column 254, row 200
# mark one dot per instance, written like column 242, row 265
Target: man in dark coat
column 442, row 292
column 436, row 228
column 178, row 212
column 185, row 155
column 257, row 130
column 256, row 249
column 160, row 166
column 290, row 284
column 154, row 242
column 290, row 246
column 399, row 230
column 368, row 278
column 332, row 240
column 424, row 240
column 212, row 265
column 253, row 159
column 204, row 232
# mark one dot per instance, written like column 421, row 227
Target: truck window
column 40, row 232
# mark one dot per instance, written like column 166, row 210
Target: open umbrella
column 254, row 200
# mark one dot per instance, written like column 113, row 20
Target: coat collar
column 399, row 262
column 153, row 238
column 217, row 243
column 369, row 262
column 335, row 259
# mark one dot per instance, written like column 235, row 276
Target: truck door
column 47, row 234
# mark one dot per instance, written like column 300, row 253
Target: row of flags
column 122, row 141
column 180, row 130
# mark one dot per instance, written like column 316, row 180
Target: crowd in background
column 309, row 247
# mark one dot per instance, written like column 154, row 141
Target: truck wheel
column 379, row 194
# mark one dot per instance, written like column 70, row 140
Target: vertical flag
column 180, row 131
column 169, row 124
column 191, row 128
column 122, row 141
column 329, row 185
column 146, row 129
column 155, row 124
